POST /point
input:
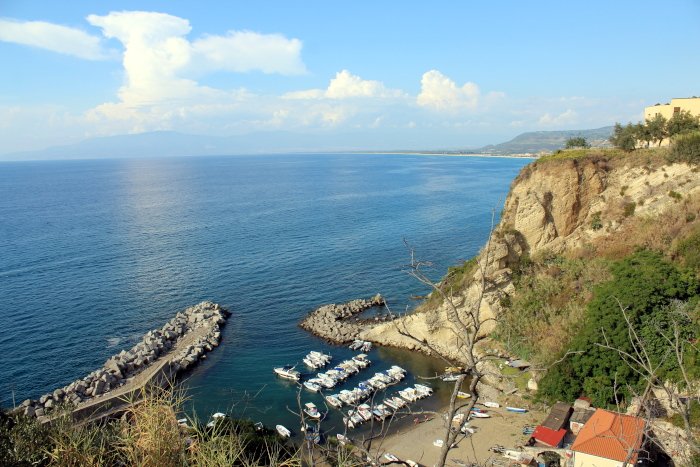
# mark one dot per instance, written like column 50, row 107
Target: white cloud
column 241, row 51
column 53, row 37
column 345, row 85
column 567, row 117
column 159, row 63
column 438, row 92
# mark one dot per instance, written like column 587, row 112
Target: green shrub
column 689, row 250
column 628, row 209
column 675, row 195
column 685, row 147
column 596, row 222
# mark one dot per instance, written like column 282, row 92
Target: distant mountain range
column 537, row 141
column 171, row 144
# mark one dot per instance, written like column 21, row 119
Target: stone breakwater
column 333, row 322
column 183, row 340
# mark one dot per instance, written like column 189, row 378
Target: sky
column 402, row 75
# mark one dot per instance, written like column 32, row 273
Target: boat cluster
column 364, row 412
column 337, row 374
column 316, row 360
column 364, row 346
column 380, row 380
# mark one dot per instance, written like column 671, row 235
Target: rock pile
column 332, row 322
column 206, row 318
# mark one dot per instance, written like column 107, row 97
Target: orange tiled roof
column 610, row 435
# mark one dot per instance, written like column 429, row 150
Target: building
column 582, row 412
column 546, row 437
column 677, row 104
column 608, row 439
column 558, row 416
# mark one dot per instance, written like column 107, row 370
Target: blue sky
column 437, row 74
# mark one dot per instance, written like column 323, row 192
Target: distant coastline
column 439, row 153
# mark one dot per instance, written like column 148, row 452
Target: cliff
column 578, row 202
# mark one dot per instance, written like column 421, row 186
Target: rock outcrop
column 333, row 322
column 203, row 320
column 557, row 206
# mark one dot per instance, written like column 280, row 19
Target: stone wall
column 201, row 321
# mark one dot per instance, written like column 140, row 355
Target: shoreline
column 443, row 154
column 416, row 441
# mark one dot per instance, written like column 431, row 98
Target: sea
column 94, row 253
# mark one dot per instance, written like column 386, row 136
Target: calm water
column 95, row 253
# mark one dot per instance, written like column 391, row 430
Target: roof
column 611, row 436
column 558, row 416
column 581, row 415
column 549, row 437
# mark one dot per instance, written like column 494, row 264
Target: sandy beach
column 504, row 428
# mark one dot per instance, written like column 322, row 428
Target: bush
column 596, row 222
column 624, row 137
column 645, row 285
column 675, row 195
column 577, row 142
column 628, row 209
column 685, row 147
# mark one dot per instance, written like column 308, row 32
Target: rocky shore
column 334, row 322
column 199, row 324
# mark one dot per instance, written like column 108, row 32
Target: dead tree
column 466, row 323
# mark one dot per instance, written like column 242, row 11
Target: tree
column 624, row 137
column 642, row 133
column 682, row 122
column 656, row 127
column 576, row 142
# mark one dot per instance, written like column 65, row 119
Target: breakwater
column 333, row 321
column 177, row 346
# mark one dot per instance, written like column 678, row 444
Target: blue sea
column 94, row 253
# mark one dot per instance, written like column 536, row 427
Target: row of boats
column 378, row 382
column 337, row 374
column 362, row 413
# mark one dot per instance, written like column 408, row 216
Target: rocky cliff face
column 559, row 206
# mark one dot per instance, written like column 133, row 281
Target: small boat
column 342, row 439
column 438, row 443
column 480, row 415
column 390, row 457
column 334, row 401
column 214, row 418
column 412, row 463
column 463, row 395
column 465, row 429
column 283, row 432
column 287, row 372
column 312, row 411
column 516, row 409
column 361, row 360
column 312, row 386
column 493, row 405
column 449, row 378
column 478, row 410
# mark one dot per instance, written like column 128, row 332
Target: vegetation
column 656, row 130
column 149, row 435
column 685, row 147
column 576, row 142
column 644, row 286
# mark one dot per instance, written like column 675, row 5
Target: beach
column 416, row 441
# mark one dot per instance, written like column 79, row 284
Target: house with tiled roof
column 609, row 439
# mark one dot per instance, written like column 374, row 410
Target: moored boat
column 287, row 372
column 283, row 431
column 312, row 411
column 463, row 395
column 516, row 409
column 493, row 405
column 312, row 386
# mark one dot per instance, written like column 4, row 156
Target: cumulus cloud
column 438, row 92
column 53, row 37
column 564, row 118
column 345, row 85
column 160, row 62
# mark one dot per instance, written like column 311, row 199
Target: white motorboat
column 361, row 360
column 409, row 395
column 479, row 415
column 312, row 386
column 312, row 411
column 390, row 457
column 334, row 401
column 438, row 443
column 287, row 372
column 463, row 395
column 283, row 431
column 493, row 405
column 449, row 378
